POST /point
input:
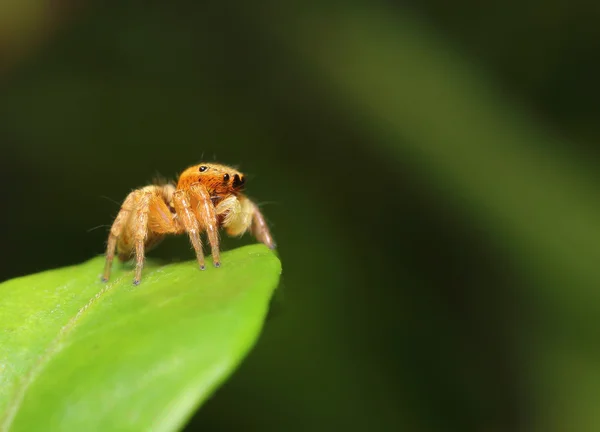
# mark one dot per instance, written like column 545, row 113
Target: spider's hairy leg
column 259, row 229
column 116, row 229
column 161, row 219
column 190, row 224
column 207, row 216
column 140, row 221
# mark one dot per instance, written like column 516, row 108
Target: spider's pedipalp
column 240, row 214
column 237, row 214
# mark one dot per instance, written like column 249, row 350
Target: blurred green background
column 428, row 170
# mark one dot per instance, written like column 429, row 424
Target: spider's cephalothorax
column 207, row 197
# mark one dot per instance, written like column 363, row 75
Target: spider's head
column 218, row 179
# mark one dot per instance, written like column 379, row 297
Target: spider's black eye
column 203, row 168
column 226, row 177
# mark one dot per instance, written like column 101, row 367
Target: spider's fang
column 238, row 181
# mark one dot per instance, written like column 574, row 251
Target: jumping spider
column 207, row 197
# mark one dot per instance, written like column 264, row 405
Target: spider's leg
column 207, row 216
column 116, row 229
column 187, row 218
column 259, row 229
column 161, row 220
column 140, row 220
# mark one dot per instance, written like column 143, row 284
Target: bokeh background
column 429, row 171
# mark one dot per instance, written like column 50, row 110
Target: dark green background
column 411, row 298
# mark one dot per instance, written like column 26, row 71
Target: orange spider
column 207, row 197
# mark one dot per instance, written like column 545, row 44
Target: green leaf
column 78, row 354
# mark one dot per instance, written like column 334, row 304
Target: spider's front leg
column 188, row 219
column 260, row 229
column 207, row 216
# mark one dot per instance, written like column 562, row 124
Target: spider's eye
column 203, row 168
column 226, row 177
